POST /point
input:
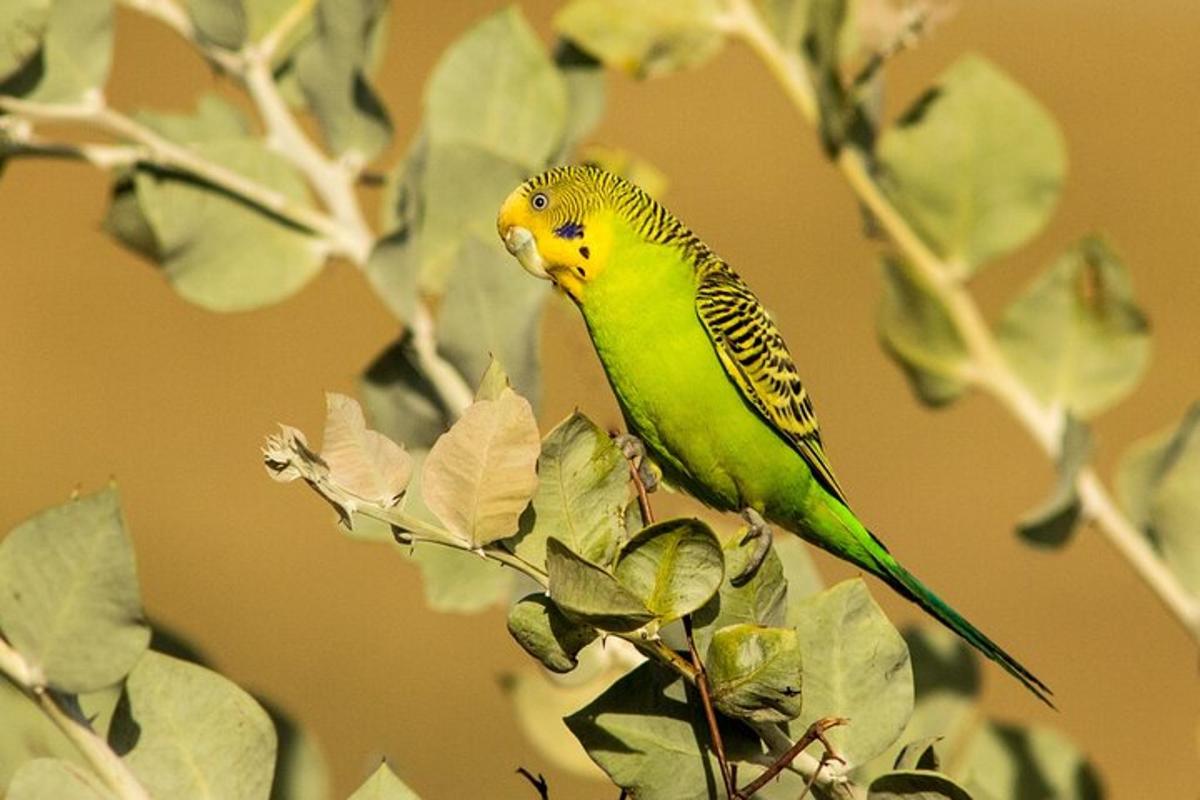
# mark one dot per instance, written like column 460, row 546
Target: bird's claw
column 759, row 531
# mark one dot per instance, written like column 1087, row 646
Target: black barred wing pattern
column 757, row 360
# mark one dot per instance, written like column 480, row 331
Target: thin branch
column 268, row 45
column 454, row 392
column 814, row 733
column 990, row 369
column 107, row 765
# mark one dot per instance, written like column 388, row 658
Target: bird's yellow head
column 559, row 225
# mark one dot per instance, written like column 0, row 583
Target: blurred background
column 105, row 372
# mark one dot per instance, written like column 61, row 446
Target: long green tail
column 909, row 586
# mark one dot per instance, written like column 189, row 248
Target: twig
column 539, row 783
column 454, row 392
column 108, row 765
column 814, row 733
column 990, row 370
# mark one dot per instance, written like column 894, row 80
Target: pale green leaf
column 856, row 665
column 186, row 732
column 493, row 383
column 219, row 22
column 71, row 64
column 22, row 26
column 402, row 402
column 331, row 68
column 673, row 567
column 1053, row 521
column 1159, row 485
column 363, row 463
column 458, row 582
column 583, row 486
column 644, row 39
column 648, row 734
column 588, row 594
column 480, row 475
column 917, row 333
column 1076, row 337
column 264, row 15
column 825, row 26
column 301, row 771
column 920, row 754
column 215, row 119
column 976, row 164
column 755, row 672
column 546, row 634
column 384, row 785
column 27, row 733
column 916, row 785
column 787, row 20
column 583, row 77
column 799, row 571
column 44, row 778
column 69, row 600
column 496, row 89
column 1008, row 761
column 761, row 600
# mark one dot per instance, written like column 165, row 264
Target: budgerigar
column 699, row 370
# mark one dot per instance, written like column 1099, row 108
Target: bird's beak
column 519, row 241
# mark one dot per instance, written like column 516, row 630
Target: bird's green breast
column 673, row 390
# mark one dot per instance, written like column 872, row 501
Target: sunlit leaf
column 975, row 164
column 44, row 778
column 755, row 672
column 588, row 594
column 364, row 463
column 69, row 600
column 673, row 567
column 546, row 634
column 1076, row 336
column 72, row 61
column 22, row 26
column 384, row 785
column 27, row 733
column 1053, row 521
column 761, row 600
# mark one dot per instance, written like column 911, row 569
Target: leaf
column 856, row 665
column 331, row 68
column 588, row 594
column 401, row 400
column 457, row 582
column 825, row 25
column 384, row 785
column 975, row 164
column 44, row 778
column 1005, row 761
column 364, row 463
column 755, row 672
column 264, row 15
column 919, row 755
column 480, row 475
column 497, row 90
column 69, row 600
column 72, row 62
column 1158, row 482
column 22, row 26
column 644, row 39
column 583, row 77
column 917, row 333
column 219, row 22
column 914, row 785
column 787, row 20
column 1076, row 337
column 673, row 567
column 215, row 119
column 301, row 771
column 186, row 732
column 1055, row 519
column 799, row 571
column 761, row 600
column 493, row 383
column 583, row 486
column 546, row 634
column 648, row 734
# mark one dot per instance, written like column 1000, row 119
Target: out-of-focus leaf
column 22, row 26
column 480, row 475
column 916, row 785
column 1076, row 336
column 363, row 462
column 856, row 665
column 583, row 486
column 401, row 400
column 587, row 593
column 975, row 164
column 187, row 732
column 1159, row 486
column 546, row 634
column 787, row 21
column 644, row 39
column 497, row 90
column 1008, row 761
column 1054, row 520
column 583, row 77
column 264, row 15
column 826, row 21
column 919, row 755
column 761, row 600
column 301, row 772
column 27, row 733
column 629, row 166
column 69, row 600
column 214, row 120
column 755, row 672
column 648, row 734
column 331, row 68
column 44, row 778
column 493, row 383
column 74, row 55
column 458, row 582
column 917, row 333
column 673, row 567
column 220, row 22
column 384, row 785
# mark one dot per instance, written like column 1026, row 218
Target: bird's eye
column 539, row 201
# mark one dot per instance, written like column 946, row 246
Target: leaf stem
column 107, row 764
column 991, row 370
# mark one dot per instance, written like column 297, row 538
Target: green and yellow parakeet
column 699, row 370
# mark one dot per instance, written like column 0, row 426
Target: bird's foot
column 759, row 532
column 635, row 453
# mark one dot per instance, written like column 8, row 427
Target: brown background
column 105, row 372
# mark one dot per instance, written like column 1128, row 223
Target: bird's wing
column 757, row 361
